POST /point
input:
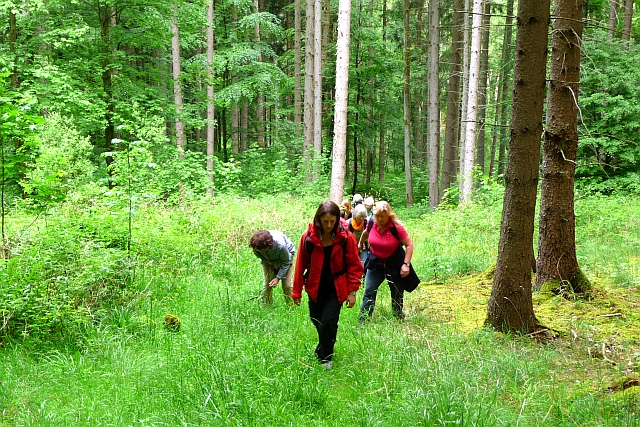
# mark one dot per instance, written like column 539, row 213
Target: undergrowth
column 95, row 351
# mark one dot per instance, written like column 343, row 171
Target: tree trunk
column 510, row 305
column 261, row 100
column 628, row 18
column 308, row 150
column 211, row 112
column 383, row 149
column 341, row 103
column 106, row 14
column 13, row 36
column 614, row 5
column 297, row 66
column 450, row 154
column 482, row 86
column 177, row 85
column 407, row 105
column 244, row 125
column 466, row 174
column 505, row 73
column 557, row 260
column 434, row 103
column 466, row 35
column 317, row 84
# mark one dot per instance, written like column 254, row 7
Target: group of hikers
column 341, row 245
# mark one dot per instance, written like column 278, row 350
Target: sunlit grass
column 235, row 362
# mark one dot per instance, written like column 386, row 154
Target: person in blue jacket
column 276, row 253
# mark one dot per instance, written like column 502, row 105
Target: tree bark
column 466, row 174
column 557, row 260
column 434, row 103
column 482, row 86
column 614, row 5
column 466, row 36
column 297, row 66
column 510, row 305
column 450, row 154
column 407, row 105
column 317, row 84
column 341, row 103
column 308, row 150
column 505, row 76
column 177, row 85
column 628, row 18
column 211, row 112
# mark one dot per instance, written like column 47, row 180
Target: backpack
column 308, row 246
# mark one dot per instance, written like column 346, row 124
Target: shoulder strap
column 392, row 228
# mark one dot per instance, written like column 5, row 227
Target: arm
column 354, row 270
column 302, row 261
column 363, row 239
column 408, row 243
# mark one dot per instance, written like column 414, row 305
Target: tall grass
column 235, row 362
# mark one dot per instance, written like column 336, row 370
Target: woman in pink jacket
column 329, row 269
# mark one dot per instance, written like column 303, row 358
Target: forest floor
column 599, row 332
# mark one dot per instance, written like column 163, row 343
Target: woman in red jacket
column 329, row 268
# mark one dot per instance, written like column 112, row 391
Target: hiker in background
column 387, row 259
column 368, row 204
column 329, row 270
column 357, row 200
column 276, row 253
column 357, row 225
column 345, row 209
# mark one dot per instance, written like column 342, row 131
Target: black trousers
column 325, row 314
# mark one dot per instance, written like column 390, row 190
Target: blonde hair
column 384, row 206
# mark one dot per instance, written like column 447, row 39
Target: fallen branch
column 608, row 315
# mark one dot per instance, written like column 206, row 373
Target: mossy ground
column 597, row 334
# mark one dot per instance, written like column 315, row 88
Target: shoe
column 328, row 365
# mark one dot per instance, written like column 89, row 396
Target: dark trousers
column 325, row 315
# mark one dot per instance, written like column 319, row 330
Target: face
column 368, row 206
column 382, row 219
column 346, row 208
column 328, row 222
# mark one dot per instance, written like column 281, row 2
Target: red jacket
column 345, row 283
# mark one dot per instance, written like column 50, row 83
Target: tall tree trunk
column 466, row 173
column 317, row 83
column 628, row 18
column 505, row 74
column 177, row 84
column 482, row 86
column 407, row 106
column 466, row 57
column 341, row 104
column 614, row 5
column 211, row 112
column 557, row 260
column 510, row 305
column 13, row 37
column 308, row 150
column 434, row 103
column 261, row 100
column 450, row 154
column 297, row 66
column 244, row 125
column 383, row 150
column 106, row 17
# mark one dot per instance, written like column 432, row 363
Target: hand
column 404, row 270
column 351, row 300
column 274, row 282
column 296, row 301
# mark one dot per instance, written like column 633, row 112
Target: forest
column 142, row 143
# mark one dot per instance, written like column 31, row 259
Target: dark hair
column 330, row 208
column 261, row 239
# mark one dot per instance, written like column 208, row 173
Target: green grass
column 237, row 363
